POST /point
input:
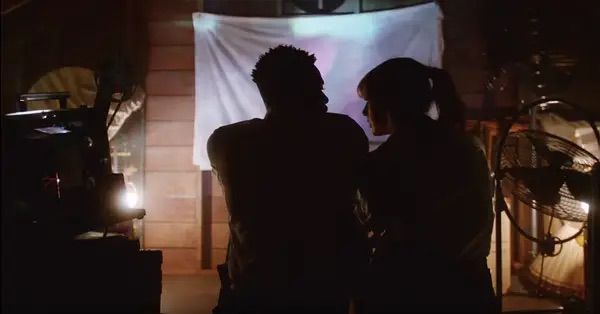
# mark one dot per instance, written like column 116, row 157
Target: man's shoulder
column 343, row 129
column 227, row 135
column 241, row 127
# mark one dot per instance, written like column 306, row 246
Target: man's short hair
column 281, row 61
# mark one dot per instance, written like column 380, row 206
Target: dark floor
column 197, row 294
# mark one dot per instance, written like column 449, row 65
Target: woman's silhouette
column 427, row 196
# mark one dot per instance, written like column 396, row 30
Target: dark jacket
column 429, row 196
column 290, row 185
column 432, row 189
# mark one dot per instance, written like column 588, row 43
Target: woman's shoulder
column 474, row 146
column 464, row 141
column 474, row 142
column 472, row 154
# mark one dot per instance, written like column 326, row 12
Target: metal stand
column 592, row 275
column 499, row 207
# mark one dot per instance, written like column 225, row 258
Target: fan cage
column 519, row 151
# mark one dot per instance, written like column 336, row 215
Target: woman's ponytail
column 451, row 109
column 401, row 87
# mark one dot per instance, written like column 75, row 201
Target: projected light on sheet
column 346, row 47
column 355, row 27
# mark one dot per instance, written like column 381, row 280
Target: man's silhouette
column 290, row 182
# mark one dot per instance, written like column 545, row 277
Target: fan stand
column 592, row 293
column 592, row 274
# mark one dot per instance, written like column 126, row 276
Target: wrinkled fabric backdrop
column 346, row 47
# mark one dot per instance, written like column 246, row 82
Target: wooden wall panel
column 170, row 108
column 218, row 257
column 217, row 189
column 171, row 234
column 167, row 133
column 171, row 196
column 169, row 158
column 171, row 33
column 171, row 58
column 170, row 83
column 219, row 210
column 180, row 261
column 171, row 209
column 220, row 235
column 171, row 183
column 172, row 10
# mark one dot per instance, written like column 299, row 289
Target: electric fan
column 554, row 177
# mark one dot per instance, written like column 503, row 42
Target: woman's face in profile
column 378, row 121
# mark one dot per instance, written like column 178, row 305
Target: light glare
column 586, row 207
column 130, row 199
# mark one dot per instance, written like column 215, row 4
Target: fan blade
column 555, row 158
column 579, row 184
column 540, row 147
column 544, row 183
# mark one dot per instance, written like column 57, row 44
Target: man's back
column 290, row 184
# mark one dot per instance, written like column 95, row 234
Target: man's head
column 288, row 80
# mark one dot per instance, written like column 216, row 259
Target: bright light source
column 586, row 207
column 130, row 199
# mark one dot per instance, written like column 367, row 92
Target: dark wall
column 41, row 35
column 243, row 8
column 465, row 51
column 563, row 34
